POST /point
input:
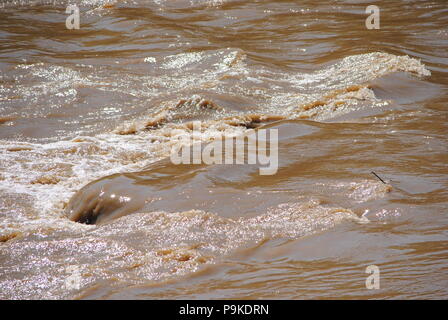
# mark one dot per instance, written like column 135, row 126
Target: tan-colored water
column 88, row 118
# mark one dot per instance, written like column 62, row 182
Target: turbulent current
column 88, row 119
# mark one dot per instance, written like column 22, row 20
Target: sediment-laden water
column 88, row 119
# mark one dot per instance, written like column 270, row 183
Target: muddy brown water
column 88, row 118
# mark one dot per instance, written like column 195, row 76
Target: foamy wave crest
column 163, row 246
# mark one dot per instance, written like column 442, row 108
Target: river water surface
column 88, row 118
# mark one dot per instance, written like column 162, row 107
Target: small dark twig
column 378, row 177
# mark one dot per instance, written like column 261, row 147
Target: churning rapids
column 88, row 118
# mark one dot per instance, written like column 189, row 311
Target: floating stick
column 378, row 177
